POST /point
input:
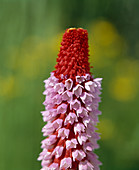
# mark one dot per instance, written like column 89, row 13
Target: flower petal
column 85, row 165
column 62, row 108
column 71, row 118
column 78, row 154
column 66, row 163
column 75, row 104
column 79, row 127
column 63, row 133
column 87, row 98
column 80, row 79
column 77, row 90
column 59, row 87
column 71, row 144
column 68, row 84
column 89, row 86
column 82, row 112
column 54, row 166
column 58, row 151
column 67, row 96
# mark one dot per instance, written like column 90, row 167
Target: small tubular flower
column 71, row 108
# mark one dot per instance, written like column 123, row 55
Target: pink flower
column 78, row 128
column 71, row 143
column 77, row 90
column 58, row 151
column 66, row 163
column 67, row 96
column 68, row 84
column 63, row 133
column 76, row 104
column 71, row 108
column 71, row 118
column 78, row 154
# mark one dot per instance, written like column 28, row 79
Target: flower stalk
column 71, row 108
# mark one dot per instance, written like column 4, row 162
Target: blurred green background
column 30, row 35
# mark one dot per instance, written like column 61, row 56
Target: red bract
column 73, row 56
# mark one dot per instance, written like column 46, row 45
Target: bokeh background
column 30, row 35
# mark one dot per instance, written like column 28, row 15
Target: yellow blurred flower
column 36, row 55
column 124, row 85
column 106, row 44
column 123, row 88
column 105, row 33
column 106, row 128
column 7, row 86
column 30, row 60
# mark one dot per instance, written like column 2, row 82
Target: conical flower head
column 73, row 56
column 71, row 108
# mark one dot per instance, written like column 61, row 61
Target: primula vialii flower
column 71, row 108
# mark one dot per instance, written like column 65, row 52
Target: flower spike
column 71, row 108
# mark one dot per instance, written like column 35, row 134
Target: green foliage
column 30, row 34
